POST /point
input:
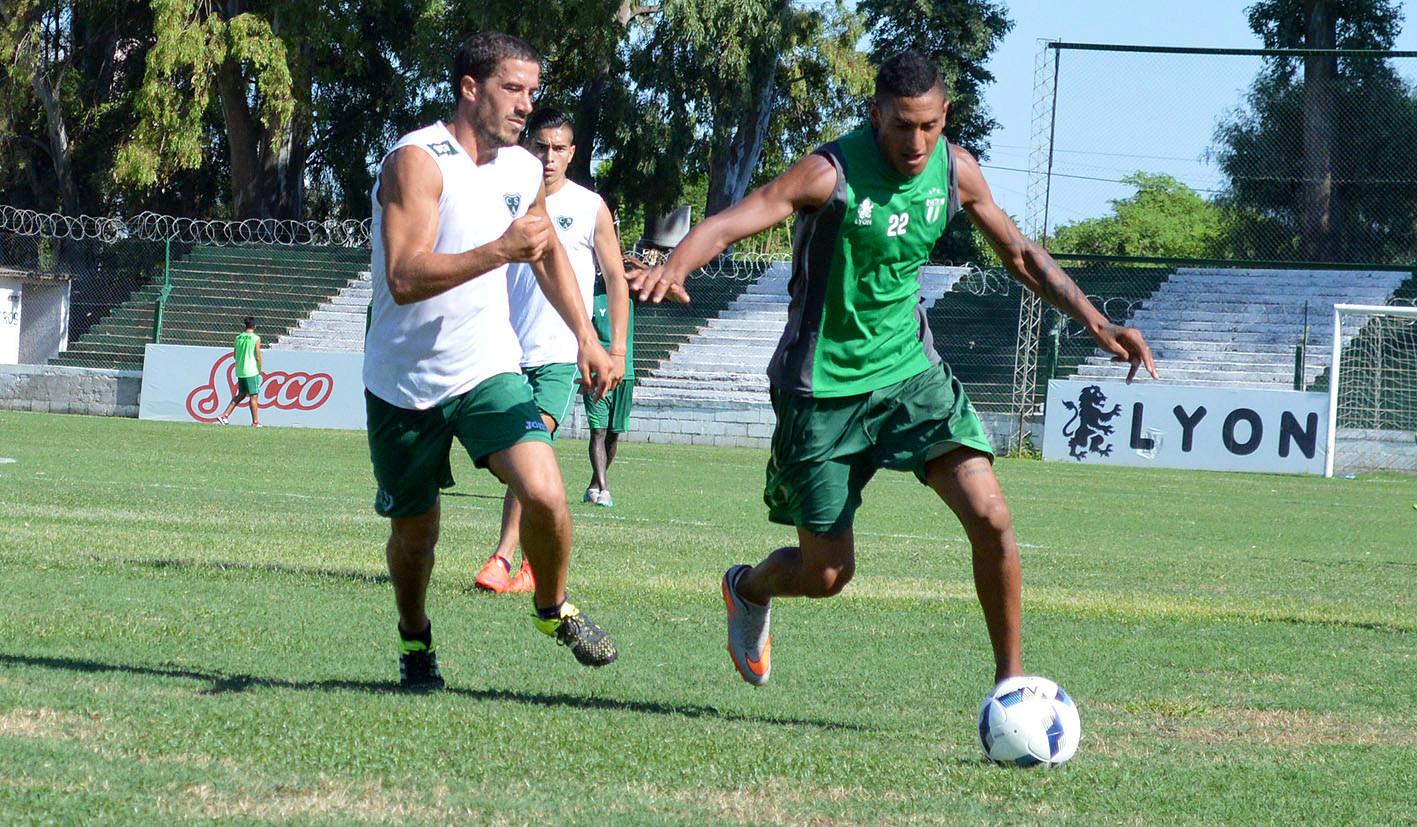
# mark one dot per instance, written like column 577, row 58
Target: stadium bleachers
column 724, row 358
column 1239, row 327
column 212, row 288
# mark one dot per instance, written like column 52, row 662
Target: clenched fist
column 526, row 238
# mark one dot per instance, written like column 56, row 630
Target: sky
column 1118, row 114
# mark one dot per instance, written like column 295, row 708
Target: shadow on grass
column 221, row 684
column 497, row 497
column 266, row 568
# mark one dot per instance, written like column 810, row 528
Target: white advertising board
column 303, row 389
column 1179, row 426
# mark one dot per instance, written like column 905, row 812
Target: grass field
column 195, row 624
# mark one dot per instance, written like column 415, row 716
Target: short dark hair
column 549, row 117
column 249, row 322
column 480, row 55
column 907, row 74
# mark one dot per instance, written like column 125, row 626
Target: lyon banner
column 1179, row 426
column 304, row 389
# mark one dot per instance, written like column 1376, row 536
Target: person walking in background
column 586, row 230
column 609, row 417
column 248, row 372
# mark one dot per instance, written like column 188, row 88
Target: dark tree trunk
column 593, row 94
column 1318, row 241
column 731, row 171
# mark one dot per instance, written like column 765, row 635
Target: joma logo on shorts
column 536, row 425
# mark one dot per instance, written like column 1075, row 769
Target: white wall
column 44, row 326
column 11, row 292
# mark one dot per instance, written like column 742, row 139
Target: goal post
column 1372, row 390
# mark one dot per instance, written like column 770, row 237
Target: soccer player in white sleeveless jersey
column 586, row 230
column 454, row 205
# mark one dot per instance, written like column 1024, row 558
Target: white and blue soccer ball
column 1029, row 722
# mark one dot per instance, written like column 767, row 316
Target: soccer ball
column 1029, row 721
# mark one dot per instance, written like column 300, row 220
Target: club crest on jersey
column 863, row 212
column 564, row 221
column 512, row 200
column 443, row 148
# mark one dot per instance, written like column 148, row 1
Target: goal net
column 1372, row 423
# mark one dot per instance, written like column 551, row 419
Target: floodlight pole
column 1030, row 318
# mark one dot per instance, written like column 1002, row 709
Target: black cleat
column 418, row 667
column 587, row 641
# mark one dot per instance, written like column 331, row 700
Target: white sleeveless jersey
column 544, row 336
column 419, row 354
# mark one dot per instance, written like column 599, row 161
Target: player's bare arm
column 1031, row 266
column 617, row 290
column 409, row 187
column 808, row 184
column 599, row 374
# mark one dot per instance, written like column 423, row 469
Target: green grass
column 196, row 624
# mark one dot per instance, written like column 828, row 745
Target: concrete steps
column 727, row 358
column 1211, row 326
column 337, row 325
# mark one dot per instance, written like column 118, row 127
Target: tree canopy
column 1310, row 158
column 283, row 108
column 1164, row 219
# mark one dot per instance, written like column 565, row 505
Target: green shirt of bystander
column 245, row 352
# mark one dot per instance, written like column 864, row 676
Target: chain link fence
column 1222, row 200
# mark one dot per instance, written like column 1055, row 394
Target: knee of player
column 416, row 541
column 832, row 579
column 993, row 517
column 543, row 496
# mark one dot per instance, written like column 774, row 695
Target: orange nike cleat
column 522, row 581
column 494, row 576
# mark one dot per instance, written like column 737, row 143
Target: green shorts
column 249, row 384
column 553, row 387
column 612, row 410
column 410, row 448
column 825, row 450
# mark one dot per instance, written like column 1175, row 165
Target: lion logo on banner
column 1091, row 429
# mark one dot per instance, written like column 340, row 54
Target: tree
column 201, row 49
column 67, row 75
column 1310, row 158
column 715, row 87
column 1165, row 219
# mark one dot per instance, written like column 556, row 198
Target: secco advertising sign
column 1176, row 426
column 304, row 389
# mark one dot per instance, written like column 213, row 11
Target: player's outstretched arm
column 409, row 187
column 599, row 373
column 617, row 290
column 806, row 185
column 1030, row 264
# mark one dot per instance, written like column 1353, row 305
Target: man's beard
column 487, row 136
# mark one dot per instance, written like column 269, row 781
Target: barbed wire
column 150, row 226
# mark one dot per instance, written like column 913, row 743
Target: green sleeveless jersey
column 245, row 352
column 856, row 321
column 600, row 317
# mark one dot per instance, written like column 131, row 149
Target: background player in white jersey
column 586, row 230
column 453, row 206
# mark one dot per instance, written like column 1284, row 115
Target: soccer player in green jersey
column 855, row 381
column 248, row 372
